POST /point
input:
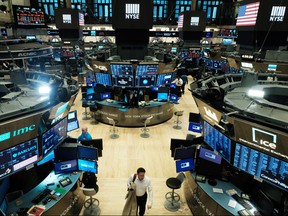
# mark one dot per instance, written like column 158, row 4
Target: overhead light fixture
column 255, row 93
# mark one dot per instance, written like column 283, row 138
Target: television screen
column 184, row 165
column 266, row 167
column 104, row 79
column 217, row 141
column 18, row 157
column 66, row 166
column 87, row 153
column 147, row 69
column 272, row 67
column 145, row 81
column 105, row 95
column 54, row 136
column 96, row 143
column 209, row 155
column 87, row 166
column 185, row 152
column 161, row 96
column 29, row 17
column 121, row 69
column 163, row 79
column 65, row 154
column 123, row 81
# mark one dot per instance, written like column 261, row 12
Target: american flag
column 247, row 14
column 81, row 19
column 180, row 21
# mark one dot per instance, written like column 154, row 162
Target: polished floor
column 122, row 157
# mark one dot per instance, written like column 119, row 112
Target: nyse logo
column 132, row 11
column 264, row 138
column 277, row 13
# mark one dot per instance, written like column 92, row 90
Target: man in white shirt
column 143, row 185
column 179, row 82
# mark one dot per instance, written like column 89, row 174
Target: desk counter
column 51, row 182
column 134, row 117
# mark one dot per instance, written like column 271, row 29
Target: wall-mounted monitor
column 87, row 153
column 29, row 17
column 104, row 79
column 54, row 136
column 184, row 165
column 66, row 166
column 217, row 140
column 121, row 69
column 145, row 81
column 87, row 166
column 147, row 69
column 18, row 157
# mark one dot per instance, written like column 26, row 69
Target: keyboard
column 242, row 202
column 41, row 196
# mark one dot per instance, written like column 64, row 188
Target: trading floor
column 122, row 156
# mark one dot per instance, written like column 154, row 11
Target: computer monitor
column 54, row 136
column 209, row 155
column 145, row 81
column 162, row 96
column 87, row 166
column 184, row 152
column 174, row 49
column 147, row 69
column 227, row 41
column 87, row 153
column 70, row 140
column 247, row 65
column 104, row 79
column 105, row 95
column 179, row 143
column 184, row 165
column 72, row 115
column 272, row 67
column 65, row 154
column 90, row 91
column 123, row 81
column 30, row 37
column 66, row 166
column 174, row 98
column 96, row 143
column 121, row 69
column 18, row 157
column 163, row 79
column 72, row 125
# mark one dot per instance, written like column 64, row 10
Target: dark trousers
column 141, row 204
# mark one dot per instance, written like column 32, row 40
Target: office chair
column 178, row 122
column 114, row 130
column 172, row 198
column 85, row 106
column 145, row 130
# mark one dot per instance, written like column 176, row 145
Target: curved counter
column 134, row 117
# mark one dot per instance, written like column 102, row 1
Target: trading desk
column 53, row 207
column 203, row 201
column 134, row 117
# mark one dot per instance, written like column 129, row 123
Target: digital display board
column 87, row 166
column 18, row 157
column 104, row 79
column 30, row 17
column 121, row 69
column 217, row 140
column 146, row 69
column 261, row 165
column 54, row 136
column 145, row 81
column 123, row 81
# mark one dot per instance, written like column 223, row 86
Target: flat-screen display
column 65, row 153
column 87, row 153
column 96, row 143
column 105, row 95
column 218, row 141
column 72, row 115
column 272, row 67
column 247, row 65
column 163, row 79
column 180, row 143
column 66, row 166
column 209, row 155
column 29, row 17
column 18, row 157
column 185, row 152
column 227, row 41
column 173, row 98
column 145, row 81
column 173, row 49
column 30, row 37
column 104, row 79
column 121, row 69
column 54, row 136
column 146, row 69
column 261, row 165
column 73, row 125
column 184, row 165
column 87, row 166
column 162, row 96
column 123, row 81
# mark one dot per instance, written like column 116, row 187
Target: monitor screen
column 87, row 166
column 184, row 165
column 105, row 95
column 217, row 141
column 90, row 91
column 31, row 37
column 123, row 81
column 18, row 157
column 264, row 166
column 29, row 17
column 54, row 136
column 272, row 67
column 66, row 166
column 185, row 152
column 247, row 65
column 180, row 143
column 146, row 69
column 121, row 69
column 104, row 79
column 87, row 153
column 174, row 49
column 96, row 143
column 209, row 155
column 161, row 96
column 72, row 115
column 145, row 81
column 65, row 153
column 163, row 79
column 174, row 98
column 68, row 51
column 227, row 41
column 72, row 125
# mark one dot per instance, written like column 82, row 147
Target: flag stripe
column 247, row 14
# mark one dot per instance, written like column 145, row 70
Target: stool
column 94, row 109
column 172, row 198
column 90, row 192
column 114, row 130
column 85, row 105
column 178, row 122
column 145, row 130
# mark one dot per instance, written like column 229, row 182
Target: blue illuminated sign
column 20, row 131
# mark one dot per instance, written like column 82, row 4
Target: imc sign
column 20, row 130
column 262, row 138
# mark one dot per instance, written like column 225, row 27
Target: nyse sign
column 277, row 13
